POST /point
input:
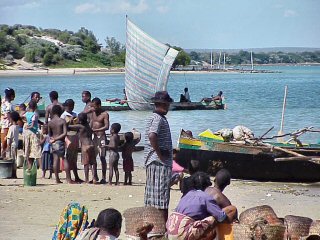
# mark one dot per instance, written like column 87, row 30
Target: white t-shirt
column 13, row 135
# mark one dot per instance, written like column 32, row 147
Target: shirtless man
column 99, row 124
column 86, row 98
column 58, row 132
column 221, row 181
column 54, row 101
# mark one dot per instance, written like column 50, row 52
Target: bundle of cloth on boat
column 238, row 133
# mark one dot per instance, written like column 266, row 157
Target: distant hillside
column 258, row 50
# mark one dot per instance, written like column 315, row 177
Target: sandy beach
column 32, row 212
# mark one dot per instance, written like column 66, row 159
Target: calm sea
column 253, row 100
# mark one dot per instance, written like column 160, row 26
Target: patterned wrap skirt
column 157, row 190
column 180, row 226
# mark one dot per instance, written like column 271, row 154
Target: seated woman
column 197, row 213
column 106, row 227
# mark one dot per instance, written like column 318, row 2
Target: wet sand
column 33, row 212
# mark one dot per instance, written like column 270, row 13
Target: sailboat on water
column 147, row 68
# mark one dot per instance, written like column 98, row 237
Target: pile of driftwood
column 262, row 223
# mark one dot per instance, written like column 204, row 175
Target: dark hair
column 87, row 93
column 96, row 101
column 22, row 106
column 116, row 127
column 69, row 102
column 128, row 136
column 222, row 178
column 220, row 93
column 34, row 93
column 83, row 119
column 194, row 166
column 109, row 219
column 54, row 95
column 186, row 89
column 32, row 104
column 8, row 92
column 56, row 110
column 15, row 116
column 200, row 181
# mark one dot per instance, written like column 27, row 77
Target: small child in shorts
column 12, row 140
column 127, row 150
column 113, row 152
column 46, row 158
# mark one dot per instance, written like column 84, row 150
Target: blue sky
column 218, row 24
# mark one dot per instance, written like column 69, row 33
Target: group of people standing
column 56, row 140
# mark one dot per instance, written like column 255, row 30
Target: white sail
column 148, row 64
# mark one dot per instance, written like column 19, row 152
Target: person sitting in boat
column 186, row 96
column 197, row 213
column 121, row 101
column 218, row 98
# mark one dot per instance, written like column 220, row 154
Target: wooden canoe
column 245, row 161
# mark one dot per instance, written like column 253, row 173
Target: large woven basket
column 259, row 231
column 297, row 226
column 315, row 228
column 139, row 216
column 266, row 212
column 133, row 220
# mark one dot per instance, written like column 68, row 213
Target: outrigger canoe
column 175, row 106
column 265, row 162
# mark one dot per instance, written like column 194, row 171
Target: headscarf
column 73, row 220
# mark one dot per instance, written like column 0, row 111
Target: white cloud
column 162, row 9
column 113, row 6
column 289, row 13
column 7, row 4
column 86, row 7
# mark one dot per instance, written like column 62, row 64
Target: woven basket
column 259, row 231
column 315, row 228
column 156, row 217
column 266, row 212
column 139, row 216
column 297, row 226
column 133, row 220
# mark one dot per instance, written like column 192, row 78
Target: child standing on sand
column 12, row 140
column 46, row 158
column 31, row 136
column 57, row 133
column 127, row 150
column 113, row 152
column 87, row 147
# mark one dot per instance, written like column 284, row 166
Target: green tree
column 47, row 59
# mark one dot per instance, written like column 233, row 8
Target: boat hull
column 248, row 162
column 176, row 106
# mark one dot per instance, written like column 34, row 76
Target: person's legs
column 86, row 173
column 4, row 132
column 116, row 171
column 56, row 166
column 130, row 178
column 111, row 169
column 67, row 170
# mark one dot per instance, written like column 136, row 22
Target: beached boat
column 263, row 162
column 41, row 108
column 115, row 106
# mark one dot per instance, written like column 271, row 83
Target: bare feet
column 58, row 181
column 71, row 182
column 79, row 180
column 103, row 181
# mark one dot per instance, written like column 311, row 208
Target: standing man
column 86, row 98
column 54, row 101
column 158, row 154
column 99, row 124
column 6, row 109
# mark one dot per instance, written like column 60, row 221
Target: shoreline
column 102, row 71
column 38, row 208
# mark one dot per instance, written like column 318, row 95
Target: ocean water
column 253, row 100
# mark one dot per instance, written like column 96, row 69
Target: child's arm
column 75, row 127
